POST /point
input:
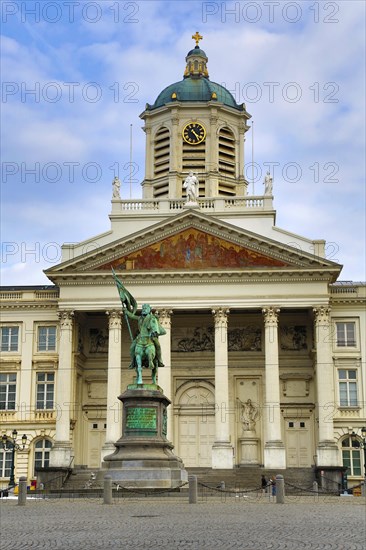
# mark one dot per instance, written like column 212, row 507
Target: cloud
column 131, row 62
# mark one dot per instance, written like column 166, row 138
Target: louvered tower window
column 194, row 157
column 161, row 161
column 227, row 162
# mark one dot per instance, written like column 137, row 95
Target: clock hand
column 197, row 136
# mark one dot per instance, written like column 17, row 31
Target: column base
column 275, row 455
column 327, row 454
column 60, row 455
column 222, row 456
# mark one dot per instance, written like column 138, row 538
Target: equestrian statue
column 145, row 350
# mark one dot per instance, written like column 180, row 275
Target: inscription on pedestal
column 141, row 419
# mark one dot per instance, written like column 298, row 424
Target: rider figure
column 145, row 316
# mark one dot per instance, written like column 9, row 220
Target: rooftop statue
column 145, row 350
column 268, row 184
column 116, row 186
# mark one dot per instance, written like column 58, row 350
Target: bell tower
column 195, row 125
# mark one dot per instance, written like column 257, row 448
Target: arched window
column 5, row 463
column 351, row 455
column 42, row 454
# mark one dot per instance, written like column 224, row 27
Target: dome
column 197, row 51
column 195, row 89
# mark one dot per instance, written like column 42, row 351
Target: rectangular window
column 346, row 334
column 46, row 338
column 8, row 384
column 5, row 463
column 9, row 338
column 45, row 390
column 347, row 387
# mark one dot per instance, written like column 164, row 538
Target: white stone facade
column 247, row 316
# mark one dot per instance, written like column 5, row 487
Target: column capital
column 322, row 315
column 271, row 315
column 66, row 318
column 221, row 316
column 114, row 318
column 165, row 317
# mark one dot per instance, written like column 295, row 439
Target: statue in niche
column 249, row 414
column 116, row 186
column 191, row 186
column 268, row 184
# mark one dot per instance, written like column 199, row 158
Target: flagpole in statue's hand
column 129, row 304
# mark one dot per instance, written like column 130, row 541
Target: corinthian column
column 222, row 450
column 274, row 449
column 327, row 452
column 165, row 373
column 114, row 413
column 60, row 455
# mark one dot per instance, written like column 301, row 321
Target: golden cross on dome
column 197, row 37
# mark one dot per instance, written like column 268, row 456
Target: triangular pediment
column 192, row 249
column 192, row 242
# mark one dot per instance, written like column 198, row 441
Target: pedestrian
column 273, row 486
column 264, row 483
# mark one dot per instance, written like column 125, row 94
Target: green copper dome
column 195, row 89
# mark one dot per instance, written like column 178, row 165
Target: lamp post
column 10, row 444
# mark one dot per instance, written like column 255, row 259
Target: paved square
column 252, row 523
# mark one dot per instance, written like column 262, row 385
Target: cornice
column 29, row 306
column 348, row 300
column 194, row 277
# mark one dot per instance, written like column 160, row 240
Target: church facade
column 263, row 352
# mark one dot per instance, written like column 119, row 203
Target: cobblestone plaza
column 172, row 523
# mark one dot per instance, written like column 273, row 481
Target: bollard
column 107, row 492
column 315, row 487
column 280, row 489
column 192, row 489
column 22, row 493
column 222, row 485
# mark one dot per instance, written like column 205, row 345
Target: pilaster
column 60, row 455
column 327, row 451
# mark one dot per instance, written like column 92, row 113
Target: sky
column 77, row 74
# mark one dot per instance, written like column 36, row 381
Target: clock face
column 194, row 133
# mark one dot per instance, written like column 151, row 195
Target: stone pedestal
column 144, row 457
column 248, row 448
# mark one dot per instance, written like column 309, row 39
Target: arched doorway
column 195, row 422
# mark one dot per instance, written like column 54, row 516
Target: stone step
column 250, row 478
column 81, row 478
column 238, row 478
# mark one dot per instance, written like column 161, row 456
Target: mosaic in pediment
column 192, row 249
